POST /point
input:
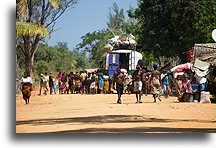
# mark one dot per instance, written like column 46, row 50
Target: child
column 93, row 84
column 186, row 86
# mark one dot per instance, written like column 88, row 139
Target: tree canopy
column 35, row 20
column 116, row 25
column 173, row 26
column 163, row 29
column 55, row 58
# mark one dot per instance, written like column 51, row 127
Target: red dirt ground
column 76, row 113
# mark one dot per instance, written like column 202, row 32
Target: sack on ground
column 205, row 97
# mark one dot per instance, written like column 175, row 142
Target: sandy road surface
column 76, row 113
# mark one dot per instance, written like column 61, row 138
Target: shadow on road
column 119, row 119
column 141, row 130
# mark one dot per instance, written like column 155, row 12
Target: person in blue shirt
column 166, row 83
column 101, row 81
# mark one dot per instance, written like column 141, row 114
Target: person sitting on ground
column 187, row 90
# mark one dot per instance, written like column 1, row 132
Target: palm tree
column 26, row 28
column 29, row 28
column 35, row 20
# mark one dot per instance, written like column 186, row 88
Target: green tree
column 115, row 18
column 94, row 42
column 59, row 58
column 174, row 26
column 37, row 13
column 41, row 67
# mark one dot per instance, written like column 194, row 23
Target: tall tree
column 115, row 18
column 94, row 44
column 41, row 13
column 174, row 25
column 116, row 25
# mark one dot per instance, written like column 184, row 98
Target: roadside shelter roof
column 205, row 52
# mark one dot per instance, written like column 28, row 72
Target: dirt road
column 76, row 113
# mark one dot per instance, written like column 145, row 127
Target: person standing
column 88, row 83
column 51, row 84
column 144, row 84
column 137, row 77
column 77, row 82
column 71, row 82
column 119, row 81
column 55, row 83
column 59, row 78
column 155, row 83
column 65, row 84
column 96, row 84
column 106, row 83
column 110, row 85
column 166, row 83
column 46, row 78
column 26, row 87
column 83, row 75
column 42, row 85
column 93, row 83
column 100, row 81
column 128, row 84
column 148, row 74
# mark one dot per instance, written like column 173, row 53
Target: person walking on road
column 144, row 84
column 42, row 85
column 26, row 87
column 137, row 77
column 119, row 81
column 155, row 83
column 46, row 81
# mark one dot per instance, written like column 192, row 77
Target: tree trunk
column 29, row 65
column 17, row 76
column 161, row 60
column 29, row 54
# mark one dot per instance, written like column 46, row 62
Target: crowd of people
column 141, row 82
column 83, row 82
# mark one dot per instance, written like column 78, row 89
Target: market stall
column 203, row 65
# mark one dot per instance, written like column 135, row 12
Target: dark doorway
column 124, row 60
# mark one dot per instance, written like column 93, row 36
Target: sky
column 86, row 16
